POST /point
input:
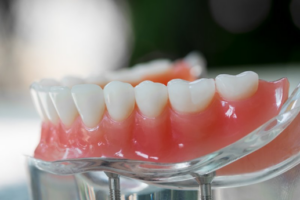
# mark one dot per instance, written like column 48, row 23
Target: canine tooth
column 191, row 97
column 89, row 101
column 43, row 93
column 70, row 81
column 119, row 99
column 151, row 98
column 237, row 87
column 63, row 103
column 36, row 100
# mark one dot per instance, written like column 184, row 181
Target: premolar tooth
column 151, row 98
column 63, row 102
column 36, row 100
column 119, row 99
column 237, row 87
column 191, row 97
column 89, row 101
column 43, row 93
column 70, row 81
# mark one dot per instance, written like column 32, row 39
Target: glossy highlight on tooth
column 46, row 102
column 62, row 99
column 89, row 100
column 191, row 97
column 237, row 87
column 119, row 99
column 151, row 98
column 198, row 120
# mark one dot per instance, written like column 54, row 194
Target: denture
column 161, row 114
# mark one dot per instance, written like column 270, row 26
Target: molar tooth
column 191, row 97
column 70, row 81
column 63, row 102
column 89, row 101
column 237, row 87
column 151, row 98
column 43, row 93
column 36, row 100
column 119, row 99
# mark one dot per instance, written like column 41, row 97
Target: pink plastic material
column 171, row 137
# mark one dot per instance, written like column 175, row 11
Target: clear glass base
column 276, row 141
column 45, row 186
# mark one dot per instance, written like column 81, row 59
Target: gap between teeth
column 119, row 98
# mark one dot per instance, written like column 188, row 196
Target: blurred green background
column 173, row 28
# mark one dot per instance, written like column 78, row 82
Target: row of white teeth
column 136, row 73
column 90, row 101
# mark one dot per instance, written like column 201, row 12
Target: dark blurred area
column 232, row 32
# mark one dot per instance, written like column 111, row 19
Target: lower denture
column 170, row 137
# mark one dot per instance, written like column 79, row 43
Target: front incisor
column 151, row 98
column 119, row 99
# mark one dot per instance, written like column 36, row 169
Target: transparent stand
column 214, row 170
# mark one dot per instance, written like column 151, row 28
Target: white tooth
column 119, row 99
column 151, row 98
column 36, row 100
column 197, row 63
column 159, row 66
column 63, row 103
column 45, row 99
column 191, row 97
column 89, row 101
column 70, row 81
column 98, row 80
column 237, row 87
column 125, row 75
column 152, row 68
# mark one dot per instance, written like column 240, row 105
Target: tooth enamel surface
column 119, row 99
column 237, row 87
column 63, row 103
column 151, row 98
column 191, row 97
column 154, row 67
column 37, row 103
column 197, row 63
column 70, row 81
column 89, row 101
column 43, row 93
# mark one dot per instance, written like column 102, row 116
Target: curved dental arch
column 71, row 97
